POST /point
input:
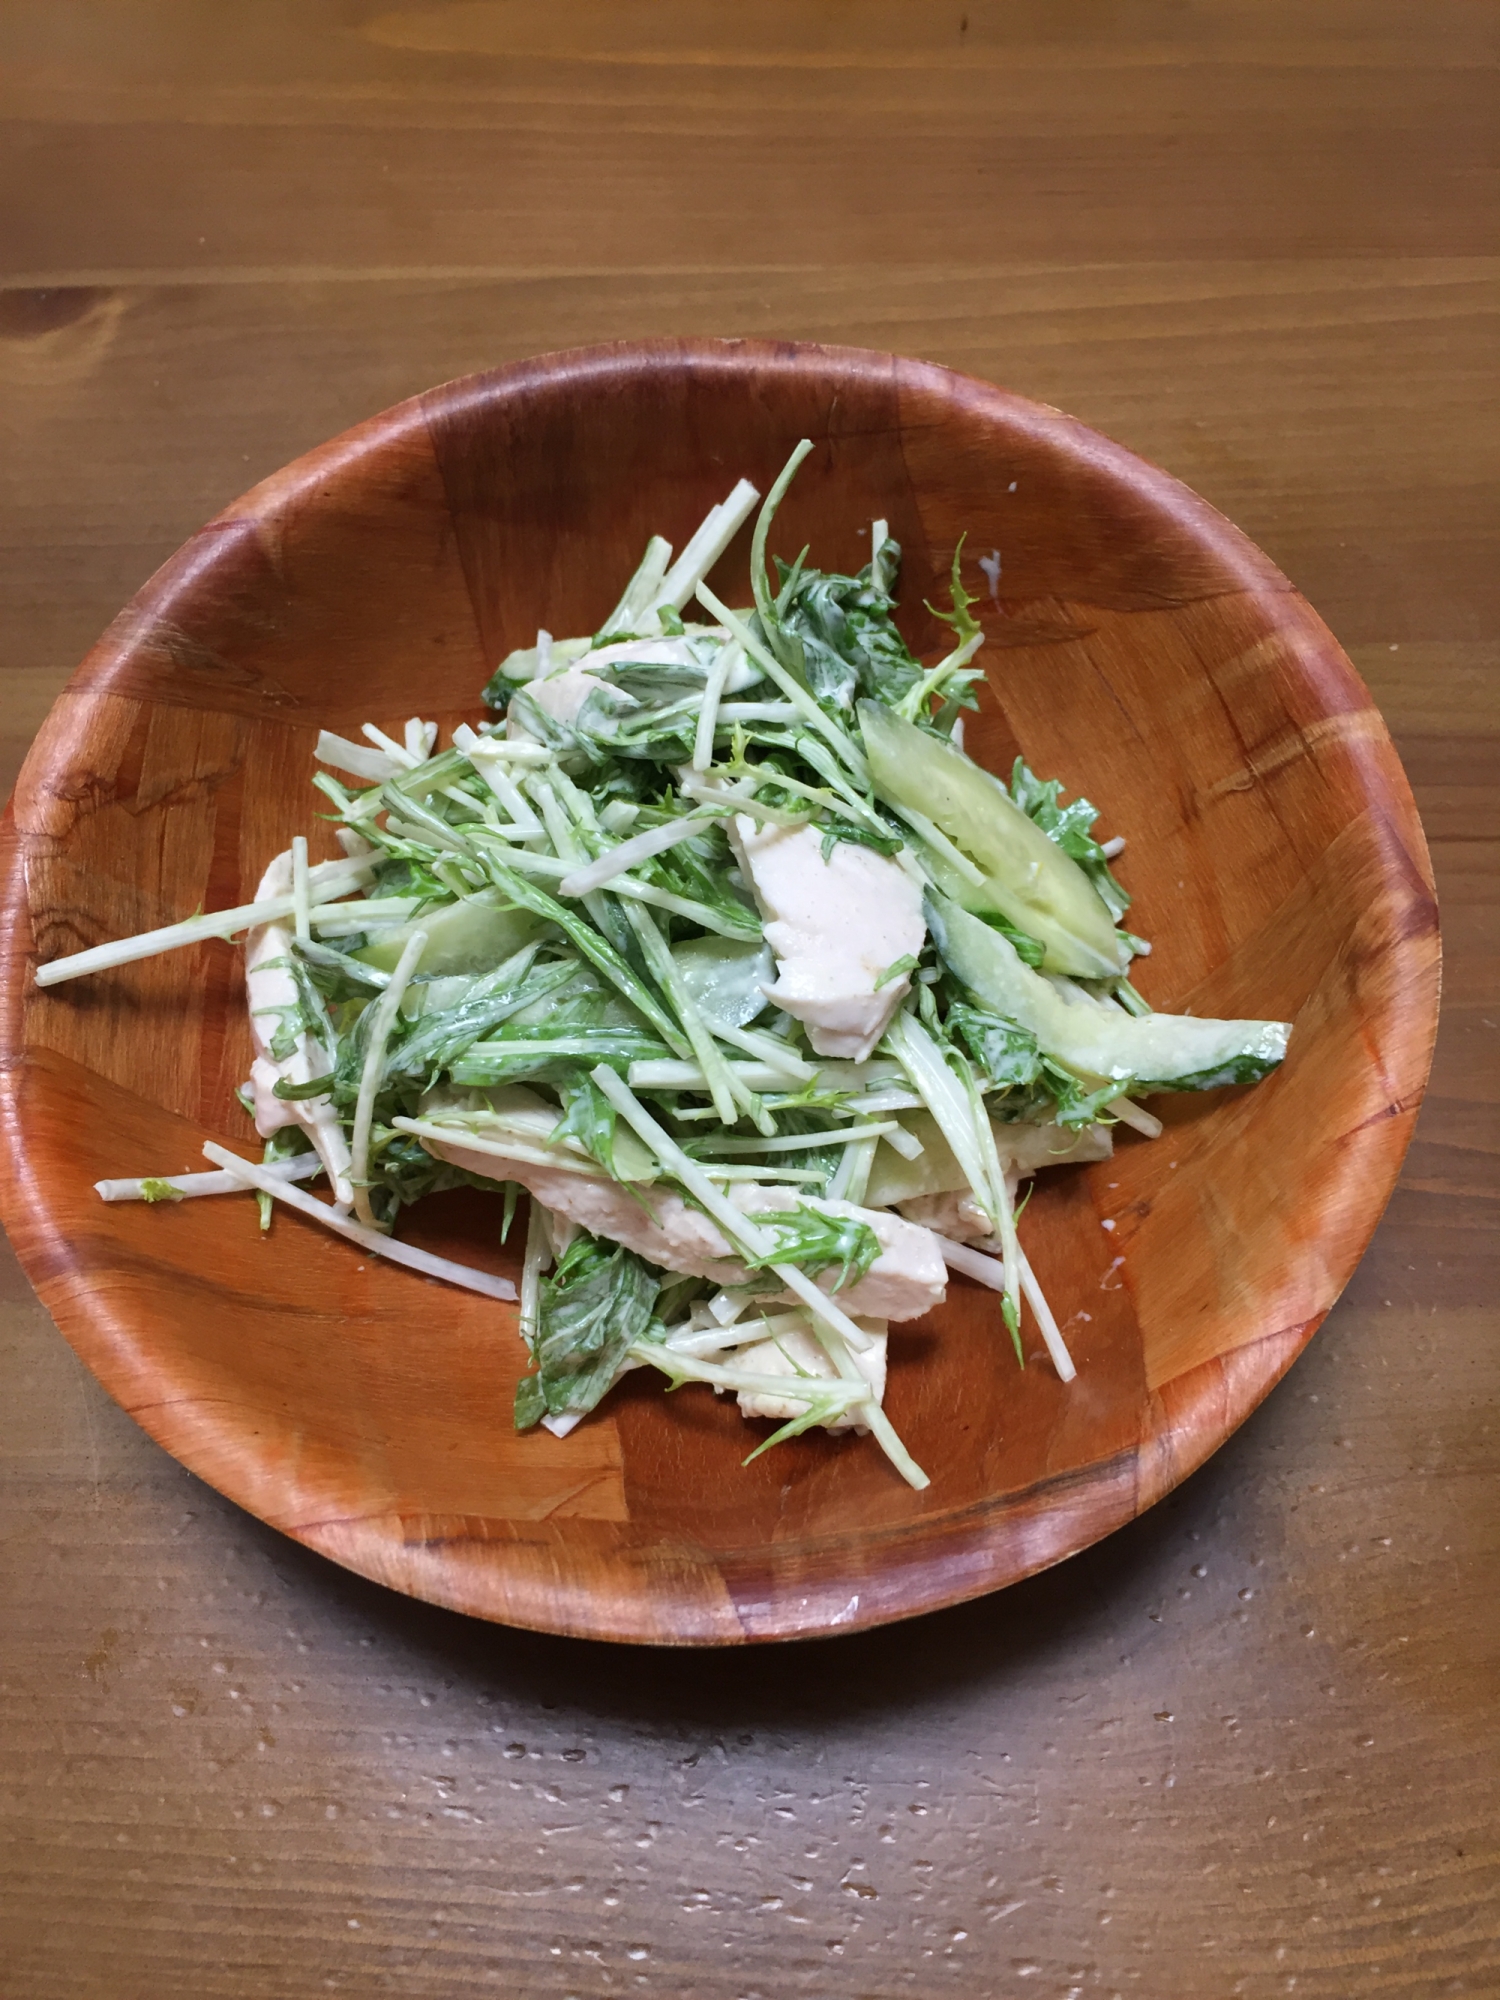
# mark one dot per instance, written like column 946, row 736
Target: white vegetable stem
column 834, row 1328
column 805, row 1142
column 301, row 889
column 1045, row 1319
column 356, row 758
column 736, row 1225
column 991, row 1271
column 488, row 755
column 730, row 1097
column 369, row 1083
column 538, row 1258
column 300, row 1168
column 835, row 1342
column 745, row 801
column 397, row 752
column 838, row 739
column 327, row 880
column 640, row 847
column 529, row 1150
column 1131, row 1114
column 810, row 1389
column 879, row 531
column 640, row 593
column 708, row 715
column 253, row 1175
column 718, row 529
column 767, row 1049
column 852, row 1175
column 948, row 1102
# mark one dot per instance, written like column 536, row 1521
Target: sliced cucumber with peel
column 1092, row 1037
column 1028, row 879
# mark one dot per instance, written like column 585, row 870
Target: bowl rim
column 1196, row 1412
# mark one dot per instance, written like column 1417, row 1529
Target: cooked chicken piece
column 907, row 1279
column 836, row 927
column 795, row 1353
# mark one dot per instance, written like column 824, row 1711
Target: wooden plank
column 137, row 413
column 980, row 132
column 1246, row 1742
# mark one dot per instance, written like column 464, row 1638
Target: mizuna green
column 714, row 941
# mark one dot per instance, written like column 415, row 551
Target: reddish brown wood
column 1142, row 648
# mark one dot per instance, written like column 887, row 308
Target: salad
column 715, row 943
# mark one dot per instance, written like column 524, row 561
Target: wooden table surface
column 1246, row 1747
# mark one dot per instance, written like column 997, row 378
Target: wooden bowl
column 1141, row 648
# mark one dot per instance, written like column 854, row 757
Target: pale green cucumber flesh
column 1028, row 879
column 1023, row 1149
column 1092, row 1038
column 474, row 934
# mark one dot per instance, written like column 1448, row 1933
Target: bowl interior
column 1139, row 648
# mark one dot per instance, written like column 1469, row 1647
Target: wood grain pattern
column 1140, row 645
column 1248, row 1739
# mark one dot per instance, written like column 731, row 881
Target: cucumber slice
column 1092, row 1038
column 1023, row 1150
column 1028, row 878
column 726, row 981
column 474, row 934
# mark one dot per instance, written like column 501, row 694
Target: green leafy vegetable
column 595, row 948
column 895, row 970
column 849, row 642
column 590, row 1118
column 965, row 625
column 515, row 1055
column 437, row 1040
column 1007, row 1056
column 595, row 1304
column 814, row 1240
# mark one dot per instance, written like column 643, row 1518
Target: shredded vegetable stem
column 704, row 548
column 1051, row 1332
column 630, row 853
column 760, row 582
column 1135, row 1116
column 369, row 1082
column 640, row 592
column 1000, row 1206
column 879, row 532
column 328, row 880
column 833, row 1326
column 301, row 889
column 537, row 1260
column 839, row 739
column 379, row 1245
column 708, row 715
column 186, row 1187
column 398, row 753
